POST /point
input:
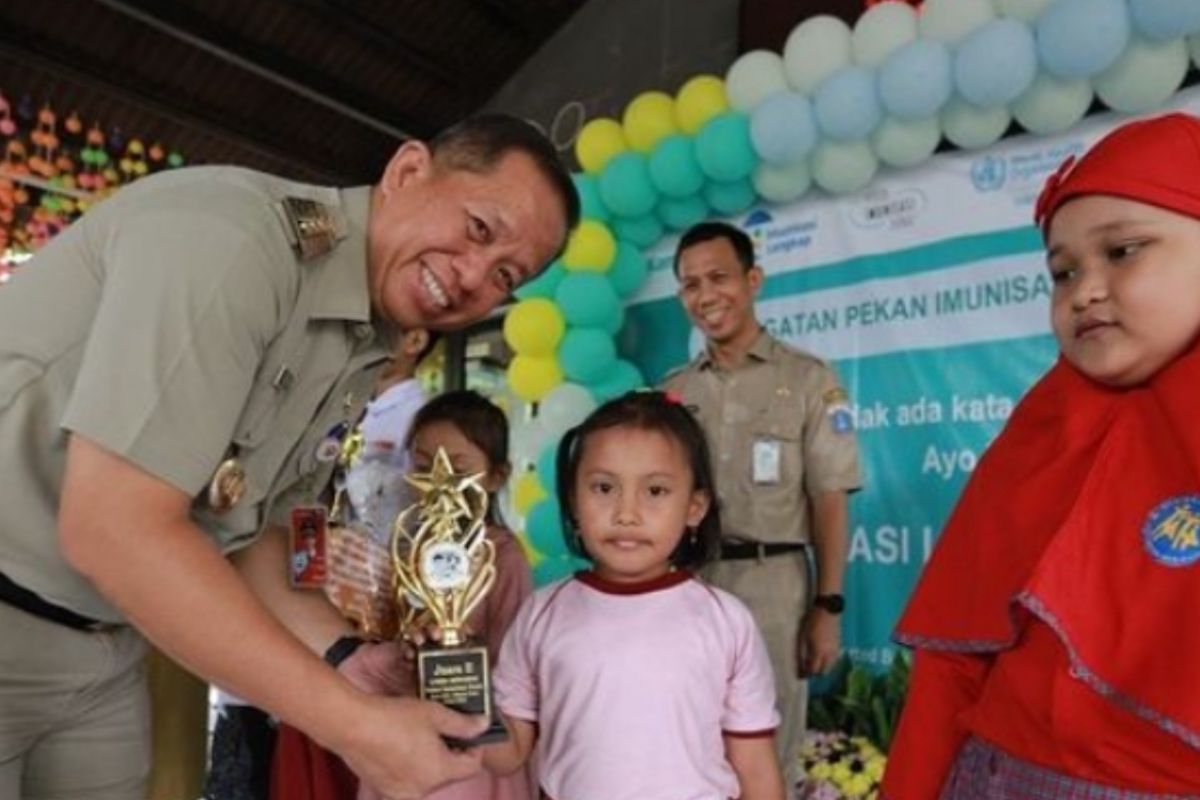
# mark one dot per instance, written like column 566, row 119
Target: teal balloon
column 621, row 378
column 625, row 185
column 615, row 323
column 674, row 170
column 588, row 300
column 551, row 569
column 642, row 231
column 543, row 526
column 590, row 204
column 732, row 197
column 586, row 354
column 547, row 468
column 724, row 148
column 681, row 214
column 629, row 269
column 544, row 285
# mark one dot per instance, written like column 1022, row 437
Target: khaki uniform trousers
column 776, row 591
column 74, row 713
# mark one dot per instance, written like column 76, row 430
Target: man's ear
column 413, row 160
column 755, row 276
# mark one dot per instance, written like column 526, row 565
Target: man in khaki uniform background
column 170, row 367
column 785, row 457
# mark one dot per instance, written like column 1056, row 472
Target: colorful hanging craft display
column 52, row 169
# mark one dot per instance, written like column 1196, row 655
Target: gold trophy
column 444, row 566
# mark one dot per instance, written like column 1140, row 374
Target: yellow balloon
column 599, row 141
column 700, row 99
column 649, row 118
column 534, row 327
column 532, row 556
column 533, row 377
column 591, row 247
column 527, row 492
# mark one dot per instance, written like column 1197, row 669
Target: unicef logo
column 989, row 173
column 1172, row 531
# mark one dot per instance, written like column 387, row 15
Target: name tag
column 765, row 468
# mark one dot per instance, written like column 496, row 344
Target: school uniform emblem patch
column 1171, row 532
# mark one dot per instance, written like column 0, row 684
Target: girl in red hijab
column 1056, row 651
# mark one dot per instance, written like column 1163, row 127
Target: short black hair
column 743, row 247
column 649, row 411
column 477, row 143
column 478, row 419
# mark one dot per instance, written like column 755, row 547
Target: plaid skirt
column 983, row 772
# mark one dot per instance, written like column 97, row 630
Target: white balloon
column 754, row 77
column 881, row 30
column 1025, row 10
column 564, row 407
column 1052, row 105
column 843, row 167
column 906, row 143
column 782, row 184
column 525, row 442
column 1144, row 77
column 951, row 21
column 970, row 127
column 815, row 49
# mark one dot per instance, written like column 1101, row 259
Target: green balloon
column 586, row 354
column 590, row 204
column 588, row 300
column 551, row 569
column 625, row 185
column 674, row 169
column 544, row 285
column 681, row 214
column 621, row 378
column 730, row 197
column 543, row 526
column 640, row 231
column 628, row 270
column 724, row 149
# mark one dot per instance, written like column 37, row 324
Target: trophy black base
column 460, row 678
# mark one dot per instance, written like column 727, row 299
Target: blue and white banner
column 929, row 294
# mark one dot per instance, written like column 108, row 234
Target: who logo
column 989, row 174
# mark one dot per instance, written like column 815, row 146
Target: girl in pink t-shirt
column 635, row 680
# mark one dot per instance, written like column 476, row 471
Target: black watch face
column 833, row 603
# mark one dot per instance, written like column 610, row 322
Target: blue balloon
column 1082, row 38
column 730, row 197
column 681, row 214
column 673, row 167
column 547, row 468
column 996, row 63
column 588, row 300
column 628, row 270
column 625, row 185
column 847, row 104
column 586, row 354
column 544, row 528
column 916, row 80
column 1164, row 20
column 783, row 128
column 590, row 204
column 544, row 285
column 621, row 378
column 642, row 231
column 723, row 147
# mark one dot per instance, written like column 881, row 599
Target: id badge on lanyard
column 765, row 468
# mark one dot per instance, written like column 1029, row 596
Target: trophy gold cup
column 444, row 566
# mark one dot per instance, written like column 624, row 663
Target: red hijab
column 1086, row 509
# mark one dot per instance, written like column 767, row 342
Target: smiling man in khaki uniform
column 169, row 367
column 785, row 456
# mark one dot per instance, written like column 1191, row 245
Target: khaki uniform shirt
column 175, row 324
column 789, row 406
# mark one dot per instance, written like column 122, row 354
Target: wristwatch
column 833, row 603
column 342, row 649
